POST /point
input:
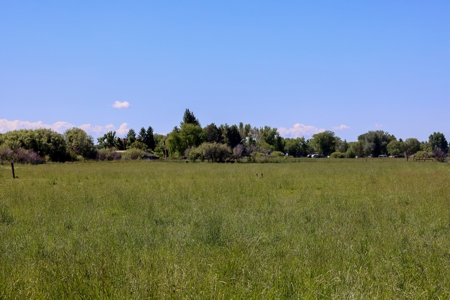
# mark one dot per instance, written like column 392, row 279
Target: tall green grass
column 332, row 229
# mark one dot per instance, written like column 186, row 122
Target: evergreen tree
column 149, row 139
column 131, row 137
column 189, row 118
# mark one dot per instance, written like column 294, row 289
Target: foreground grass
column 330, row 229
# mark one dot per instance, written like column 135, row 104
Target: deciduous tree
column 325, row 142
column 412, row 145
column 78, row 142
column 108, row 140
column 437, row 140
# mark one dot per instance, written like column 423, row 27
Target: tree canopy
column 438, row 140
column 325, row 142
column 189, row 118
column 78, row 142
column 193, row 141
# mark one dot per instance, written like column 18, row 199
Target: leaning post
column 12, row 168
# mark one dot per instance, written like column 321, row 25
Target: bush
column 440, row 155
column 337, row 155
column 133, row 154
column 21, row 155
column 194, row 153
column 5, row 153
column 421, row 155
column 215, row 152
column 138, row 145
column 108, row 154
column 276, row 154
column 350, row 153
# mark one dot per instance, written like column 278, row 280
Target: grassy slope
column 328, row 229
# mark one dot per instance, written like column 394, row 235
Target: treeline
column 212, row 143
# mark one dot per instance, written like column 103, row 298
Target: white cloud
column 299, row 130
column 61, row 126
column 6, row 125
column 378, row 125
column 123, row 129
column 94, row 130
column 121, row 105
column 341, row 127
column 110, row 127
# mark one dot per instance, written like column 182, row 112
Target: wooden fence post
column 12, row 168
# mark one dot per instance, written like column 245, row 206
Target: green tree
column 131, row 138
column 425, row 146
column 233, row 136
column 160, row 145
column 355, row 149
column 272, row 138
column 214, row 152
column 341, row 145
column 179, row 140
column 108, row 140
column 78, row 142
column 296, row 147
column 395, row 147
column 325, row 142
column 50, row 143
column 412, row 145
column 191, row 135
column 147, row 137
column 150, row 138
column 189, row 118
column 141, row 135
column 437, row 140
column 174, row 143
column 212, row 134
column 375, row 142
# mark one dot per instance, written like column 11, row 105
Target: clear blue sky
column 300, row 66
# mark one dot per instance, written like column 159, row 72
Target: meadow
column 325, row 229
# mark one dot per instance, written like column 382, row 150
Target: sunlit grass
column 325, row 229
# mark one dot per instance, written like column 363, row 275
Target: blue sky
column 299, row 66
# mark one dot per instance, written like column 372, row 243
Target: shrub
column 337, row 155
column 5, row 153
column 21, row 155
column 138, row 145
column 440, row 155
column 34, row 158
column 421, row 155
column 108, row 154
column 276, row 154
column 215, row 152
column 133, row 154
column 194, row 153
column 350, row 153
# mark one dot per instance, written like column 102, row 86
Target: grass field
column 330, row 229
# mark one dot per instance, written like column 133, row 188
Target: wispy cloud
column 378, row 126
column 299, row 130
column 6, row 125
column 95, row 130
column 123, row 129
column 341, row 127
column 121, row 105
